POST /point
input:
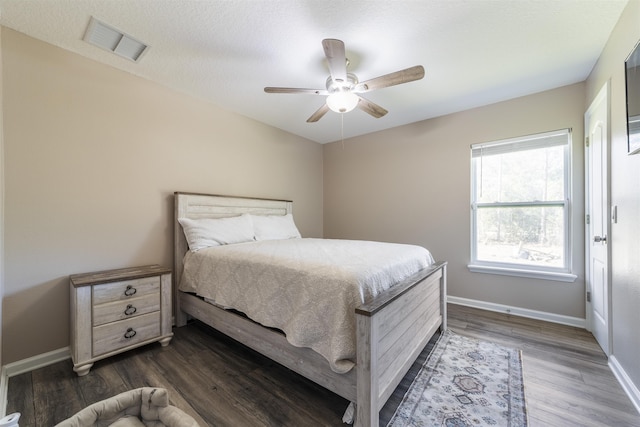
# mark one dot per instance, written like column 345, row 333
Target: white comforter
column 307, row 288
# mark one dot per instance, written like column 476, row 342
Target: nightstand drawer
column 130, row 308
column 117, row 335
column 126, row 289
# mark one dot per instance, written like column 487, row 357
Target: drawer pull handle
column 130, row 333
column 130, row 310
column 130, row 290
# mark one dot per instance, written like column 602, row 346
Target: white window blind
column 548, row 139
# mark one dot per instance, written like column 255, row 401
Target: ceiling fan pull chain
column 342, row 129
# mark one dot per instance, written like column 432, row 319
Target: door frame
column 602, row 96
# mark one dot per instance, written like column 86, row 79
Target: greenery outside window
column 520, row 206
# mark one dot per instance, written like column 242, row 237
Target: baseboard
column 4, row 385
column 27, row 365
column 627, row 385
column 38, row 361
column 517, row 311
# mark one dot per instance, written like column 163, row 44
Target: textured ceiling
column 475, row 52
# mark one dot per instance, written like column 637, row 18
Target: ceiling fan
column 342, row 88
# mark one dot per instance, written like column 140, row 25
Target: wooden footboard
column 392, row 330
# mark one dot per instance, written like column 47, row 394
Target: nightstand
column 116, row 310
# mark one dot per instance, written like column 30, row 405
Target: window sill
column 532, row 274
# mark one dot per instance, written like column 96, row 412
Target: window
column 520, row 206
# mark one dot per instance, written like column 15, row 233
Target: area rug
column 465, row 383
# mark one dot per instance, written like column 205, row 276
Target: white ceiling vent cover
column 108, row 38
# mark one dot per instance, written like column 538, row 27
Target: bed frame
column 391, row 330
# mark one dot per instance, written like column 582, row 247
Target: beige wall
column 625, row 194
column 411, row 184
column 93, row 156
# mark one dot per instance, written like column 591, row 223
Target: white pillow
column 207, row 232
column 274, row 227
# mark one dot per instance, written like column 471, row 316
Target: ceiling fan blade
column 371, row 108
column 392, row 79
column 319, row 113
column 295, row 90
column 335, row 53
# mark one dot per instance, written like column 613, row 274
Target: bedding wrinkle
column 308, row 288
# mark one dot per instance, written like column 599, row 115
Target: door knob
column 599, row 239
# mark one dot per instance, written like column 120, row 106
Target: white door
column 597, row 221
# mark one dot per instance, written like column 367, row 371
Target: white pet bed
column 142, row 407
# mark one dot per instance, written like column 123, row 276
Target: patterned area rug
column 465, row 382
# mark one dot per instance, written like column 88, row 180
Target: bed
column 390, row 328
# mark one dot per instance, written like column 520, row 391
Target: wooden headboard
column 194, row 206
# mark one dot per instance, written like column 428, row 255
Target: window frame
column 564, row 273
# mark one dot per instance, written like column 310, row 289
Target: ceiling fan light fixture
column 342, row 102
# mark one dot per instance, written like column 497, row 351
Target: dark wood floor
column 222, row 383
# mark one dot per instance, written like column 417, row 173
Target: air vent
column 111, row 39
